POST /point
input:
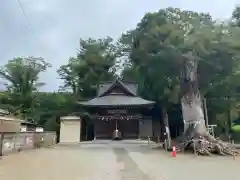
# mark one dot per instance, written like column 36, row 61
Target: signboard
column 117, row 111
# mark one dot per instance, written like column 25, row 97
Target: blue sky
column 58, row 25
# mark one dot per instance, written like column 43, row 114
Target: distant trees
column 22, row 77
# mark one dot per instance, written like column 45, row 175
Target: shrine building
column 117, row 107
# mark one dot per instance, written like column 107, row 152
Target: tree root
column 206, row 145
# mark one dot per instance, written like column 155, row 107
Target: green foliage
column 22, row 76
column 236, row 16
column 52, row 106
column 236, row 128
column 161, row 40
column 94, row 63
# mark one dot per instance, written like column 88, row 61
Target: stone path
column 130, row 170
column 114, row 161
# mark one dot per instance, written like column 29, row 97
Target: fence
column 16, row 142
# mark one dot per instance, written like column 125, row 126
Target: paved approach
column 107, row 160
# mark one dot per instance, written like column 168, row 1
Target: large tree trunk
column 193, row 114
column 195, row 133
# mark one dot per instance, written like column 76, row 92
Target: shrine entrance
column 104, row 129
column 129, row 128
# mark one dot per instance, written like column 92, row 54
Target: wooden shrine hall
column 118, row 108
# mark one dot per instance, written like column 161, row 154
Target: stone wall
column 15, row 142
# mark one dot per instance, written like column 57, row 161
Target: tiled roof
column 116, row 100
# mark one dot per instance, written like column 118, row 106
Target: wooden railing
column 16, row 142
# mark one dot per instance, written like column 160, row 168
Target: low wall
column 15, row 142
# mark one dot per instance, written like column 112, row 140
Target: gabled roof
column 117, row 100
column 131, row 88
column 104, row 98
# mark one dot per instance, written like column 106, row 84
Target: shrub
column 236, row 128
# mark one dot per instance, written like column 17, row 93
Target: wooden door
column 129, row 128
column 104, row 129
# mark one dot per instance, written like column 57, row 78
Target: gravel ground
column 60, row 164
column 114, row 161
column 187, row 167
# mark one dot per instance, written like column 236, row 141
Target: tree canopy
column 22, row 81
column 95, row 62
column 162, row 40
column 151, row 54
